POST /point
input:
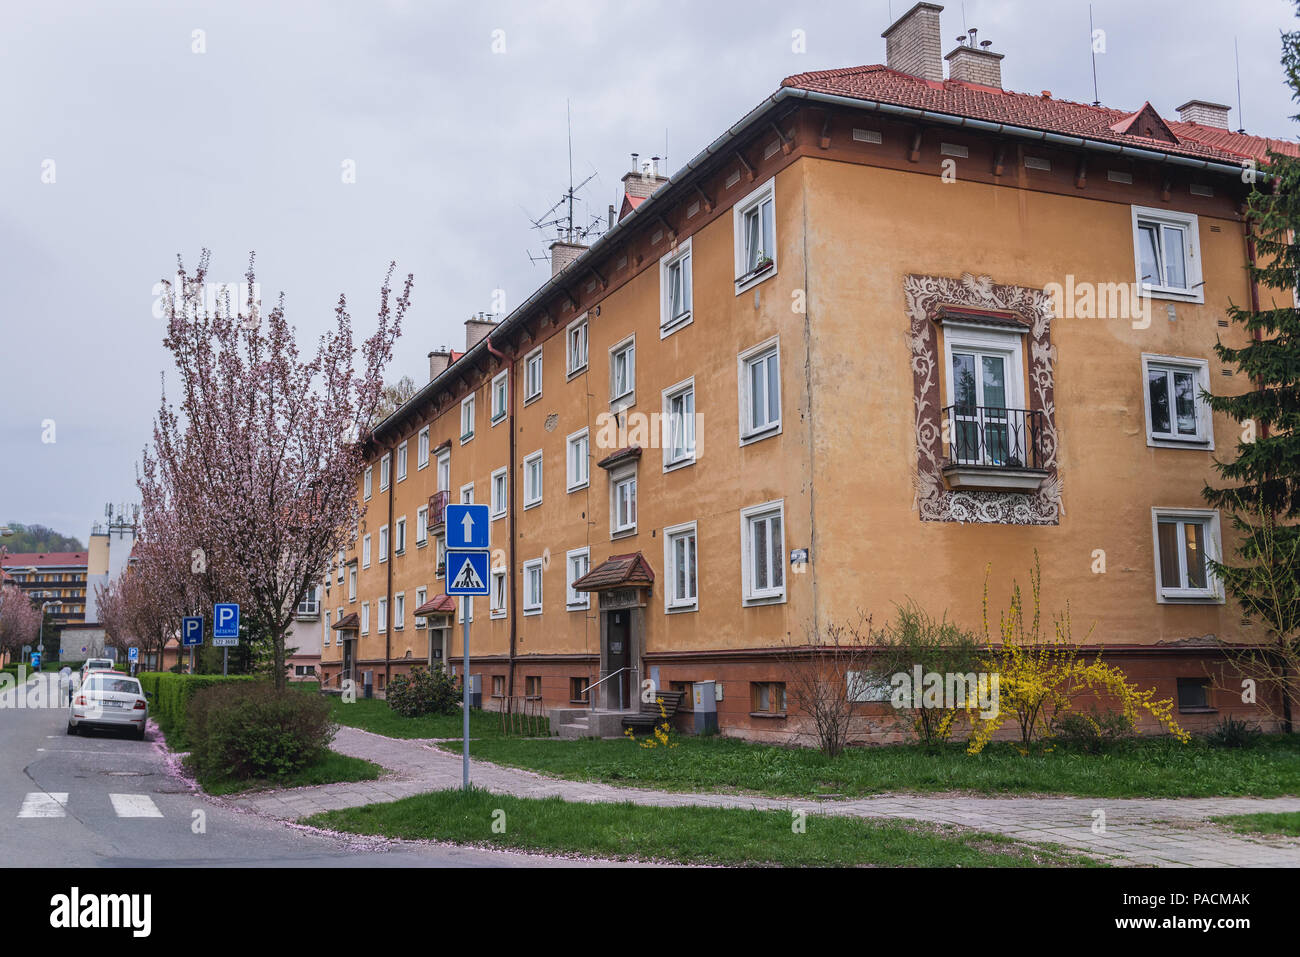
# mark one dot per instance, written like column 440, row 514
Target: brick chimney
column 975, row 64
column 476, row 327
column 1205, row 113
column 563, row 253
column 640, row 184
column 912, row 43
column 439, row 360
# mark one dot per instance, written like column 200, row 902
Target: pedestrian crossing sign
column 467, row 572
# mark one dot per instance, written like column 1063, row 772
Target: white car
column 95, row 664
column 109, row 700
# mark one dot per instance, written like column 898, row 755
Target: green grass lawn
column 331, row 769
column 375, row 715
column 1286, row 824
column 689, row 835
column 1156, row 767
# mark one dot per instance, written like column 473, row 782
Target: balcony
column 308, row 608
column 437, row 509
column 994, row 448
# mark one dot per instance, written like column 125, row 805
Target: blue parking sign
column 133, row 654
column 225, row 620
column 191, row 632
column 467, row 573
column 467, row 527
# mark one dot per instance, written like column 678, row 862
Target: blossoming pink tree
column 20, row 620
column 252, row 476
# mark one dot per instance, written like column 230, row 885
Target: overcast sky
column 159, row 150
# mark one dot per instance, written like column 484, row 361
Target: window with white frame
column 500, row 492
column 1176, row 414
column 622, row 373
column 385, row 472
column 578, row 469
column 679, row 424
column 533, row 374
column 533, row 479
column 622, row 500
column 1167, row 253
column 440, row 556
column 401, row 462
column 984, row 383
column 759, row 373
column 421, row 596
column 399, row 611
column 368, row 481
column 383, row 543
column 1184, row 540
column 399, row 540
column 365, row 552
column 675, row 290
column 754, row 223
column 497, row 604
column 381, row 614
column 467, row 494
column 422, row 449
column 577, row 563
column 421, row 526
column 444, row 470
column 500, row 396
column 680, row 593
column 342, row 561
column 533, row 587
column 365, row 618
column 466, row 419
column 352, row 583
column 575, row 337
column 762, row 550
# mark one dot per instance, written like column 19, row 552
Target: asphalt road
column 101, row 799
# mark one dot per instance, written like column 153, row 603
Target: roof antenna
column 1092, row 44
column 1241, row 120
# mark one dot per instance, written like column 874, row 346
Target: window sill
column 574, row 373
column 421, row 468
column 497, row 516
column 994, row 477
column 1191, row 445
column 465, row 438
column 1173, row 295
column 758, row 436
column 530, row 399
column 423, row 544
column 622, row 533
column 496, row 615
column 682, row 609
column 753, row 602
column 770, row 715
column 1205, row 710
column 578, row 488
column 752, row 279
column 530, row 612
column 680, row 464
column 1195, row 599
column 681, row 322
column 620, row 402
column 497, row 420
column 584, row 606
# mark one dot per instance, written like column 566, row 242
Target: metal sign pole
column 225, row 659
column 464, row 762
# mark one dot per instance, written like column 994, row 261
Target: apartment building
column 889, row 328
column 55, row 577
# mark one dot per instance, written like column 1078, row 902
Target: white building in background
column 111, row 543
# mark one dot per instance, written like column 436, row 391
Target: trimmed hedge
column 172, row 695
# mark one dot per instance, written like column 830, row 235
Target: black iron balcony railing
column 987, row 436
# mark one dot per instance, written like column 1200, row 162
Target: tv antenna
column 570, row 227
column 1092, row 45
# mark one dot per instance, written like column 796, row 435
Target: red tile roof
column 617, row 571
column 1038, row 112
column 349, row 622
column 43, row 559
column 438, row 605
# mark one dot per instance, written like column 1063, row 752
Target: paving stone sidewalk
column 1162, row 832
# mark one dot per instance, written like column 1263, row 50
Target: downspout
column 511, row 508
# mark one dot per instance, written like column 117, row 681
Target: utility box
column 705, row 707
column 368, row 683
column 476, row 691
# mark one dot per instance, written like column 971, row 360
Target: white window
column 577, row 563
column 680, row 568
column 385, row 472
column 754, row 222
column 1167, row 253
column 467, row 494
column 762, row 550
column 422, row 449
column 533, row 479
column 401, row 462
column 383, row 543
column 1184, row 539
column 421, row 526
column 444, row 470
column 369, row 481
column 365, row 552
column 466, row 609
column 352, row 583
column 622, row 501
column 399, row 611
column 497, row 602
column 759, row 372
column 440, row 556
column 675, row 290
column 579, row 460
column 533, row 374
column 421, row 596
column 466, row 419
column 679, row 424
column 399, row 543
column 533, row 587
column 365, row 618
column 1177, row 416
column 500, row 492
column 622, row 373
column 576, row 341
column 986, row 397
column 341, row 562
column 500, row 397
column 381, row 613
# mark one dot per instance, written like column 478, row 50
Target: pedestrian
column 65, row 678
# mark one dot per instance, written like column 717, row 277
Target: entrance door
column 619, row 656
column 349, row 645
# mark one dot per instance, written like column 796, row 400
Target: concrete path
column 1163, row 832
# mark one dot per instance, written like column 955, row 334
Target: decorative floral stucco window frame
column 935, row 501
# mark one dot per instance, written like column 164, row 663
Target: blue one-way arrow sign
column 191, row 632
column 468, row 526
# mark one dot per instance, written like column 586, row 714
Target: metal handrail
column 591, row 701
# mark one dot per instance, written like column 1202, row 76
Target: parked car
column 109, row 700
column 94, row 664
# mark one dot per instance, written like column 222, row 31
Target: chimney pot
column 476, row 328
column 912, row 43
column 968, row 63
column 564, row 253
column 1205, row 113
column 439, row 360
